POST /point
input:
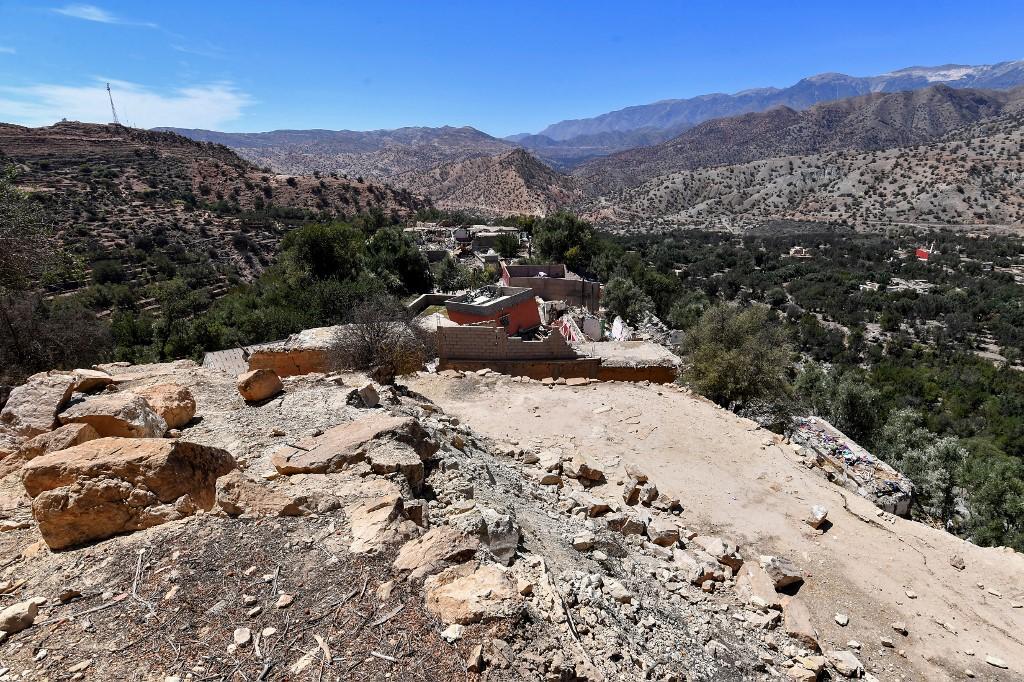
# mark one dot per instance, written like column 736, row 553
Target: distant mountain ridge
column 868, row 122
column 377, row 154
column 681, row 113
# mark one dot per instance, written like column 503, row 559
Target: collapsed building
column 554, row 282
column 851, row 466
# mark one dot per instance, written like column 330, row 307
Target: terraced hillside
column 139, row 206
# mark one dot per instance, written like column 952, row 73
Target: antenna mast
column 112, row 109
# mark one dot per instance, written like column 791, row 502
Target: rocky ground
column 443, row 533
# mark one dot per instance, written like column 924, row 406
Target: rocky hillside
column 377, row 154
column 869, row 122
column 156, row 524
column 974, row 181
column 513, row 182
column 126, row 194
column 678, row 114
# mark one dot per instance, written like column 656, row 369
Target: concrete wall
column 554, row 287
column 587, row 368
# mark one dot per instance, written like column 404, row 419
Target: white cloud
column 7, row 50
column 97, row 14
column 208, row 105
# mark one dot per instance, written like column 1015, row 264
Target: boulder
column 635, row 472
column 121, row 415
column 593, row 505
column 697, row 567
column 817, row 516
column 59, row 439
column 631, row 492
column 582, row 468
column 782, row 572
column 389, row 457
column 89, row 380
column 663, row 532
column 626, row 523
column 845, row 663
column 753, row 581
column 348, row 443
column 258, row 384
column 722, row 549
column 439, row 548
column 237, row 495
column 471, row 594
column 110, row 486
column 369, row 395
column 32, row 407
column 173, row 402
column 796, row 620
column 17, row 617
column 501, row 535
column 378, row 519
column 307, row 351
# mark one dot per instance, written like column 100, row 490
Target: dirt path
column 732, row 478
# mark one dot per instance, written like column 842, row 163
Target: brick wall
column 491, row 343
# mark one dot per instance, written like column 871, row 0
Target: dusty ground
column 727, row 478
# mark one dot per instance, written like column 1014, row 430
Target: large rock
column 388, row 457
column 89, row 380
column 796, row 620
column 752, row 582
column 110, row 486
column 582, row 468
column 439, row 548
column 471, row 594
column 501, row 535
column 237, row 495
column 32, row 407
column 782, row 571
column 61, row 438
column 347, row 443
column 663, row 532
column 121, row 415
column 307, row 351
column 379, row 518
column 697, row 566
column 17, row 617
column 845, row 663
column 722, row 549
column 173, row 402
column 258, row 384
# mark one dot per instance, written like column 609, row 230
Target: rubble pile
column 332, row 532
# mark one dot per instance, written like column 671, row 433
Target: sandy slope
column 727, row 477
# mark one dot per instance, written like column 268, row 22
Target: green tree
column 854, row 407
column 622, row 298
column 738, row 355
column 507, row 245
column 564, row 238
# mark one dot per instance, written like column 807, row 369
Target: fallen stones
column 348, row 443
column 368, row 394
column 89, row 380
column 17, row 617
column 625, row 523
column 32, row 407
column 468, row 594
column 842, row 620
column 845, row 663
column 390, row 457
column 580, row 467
column 59, row 439
column 816, row 519
column 996, row 662
column 697, row 567
column 957, row 562
column 120, row 415
column 584, row 542
column 663, row 532
column 378, row 519
column 501, row 535
column 431, row 553
column 722, row 549
column 900, row 627
column 796, row 621
column 258, row 384
column 782, row 572
column 110, row 486
column 617, row 591
column 594, row 506
column 752, row 581
column 237, row 495
column 174, row 403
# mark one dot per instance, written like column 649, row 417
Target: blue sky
column 500, row 67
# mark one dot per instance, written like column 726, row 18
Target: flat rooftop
column 630, row 353
column 489, row 299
